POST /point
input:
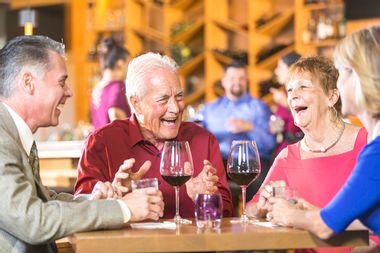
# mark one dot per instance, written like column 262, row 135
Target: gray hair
column 25, row 53
column 139, row 68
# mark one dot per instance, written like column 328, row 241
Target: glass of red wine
column 243, row 167
column 176, row 168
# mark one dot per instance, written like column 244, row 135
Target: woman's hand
column 265, row 193
column 281, row 211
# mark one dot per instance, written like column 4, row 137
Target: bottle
column 321, row 27
column 342, row 28
column 329, row 28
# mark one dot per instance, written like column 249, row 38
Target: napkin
column 266, row 224
column 154, row 225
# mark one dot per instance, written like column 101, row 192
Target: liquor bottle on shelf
column 322, row 27
column 237, row 55
column 329, row 27
column 266, row 53
column 181, row 53
column 310, row 2
column 265, row 19
column 342, row 28
column 180, row 27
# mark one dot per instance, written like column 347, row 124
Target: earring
column 332, row 108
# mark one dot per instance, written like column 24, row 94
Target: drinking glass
column 208, row 211
column 286, row 192
column 243, row 167
column 176, row 168
column 144, row 183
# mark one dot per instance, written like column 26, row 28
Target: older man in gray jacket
column 32, row 91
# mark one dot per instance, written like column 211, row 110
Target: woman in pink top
column 319, row 164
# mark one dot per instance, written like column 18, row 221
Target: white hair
column 139, row 68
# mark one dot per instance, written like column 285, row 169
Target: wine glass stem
column 176, row 217
column 243, row 193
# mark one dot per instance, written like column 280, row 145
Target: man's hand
column 146, row 203
column 104, row 190
column 205, row 182
column 235, row 126
column 123, row 177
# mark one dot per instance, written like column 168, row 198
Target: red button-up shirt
column 108, row 147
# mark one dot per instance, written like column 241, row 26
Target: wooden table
column 188, row 238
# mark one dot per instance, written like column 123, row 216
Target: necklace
column 324, row 149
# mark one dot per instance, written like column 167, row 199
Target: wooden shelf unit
column 303, row 14
column 279, row 16
column 146, row 26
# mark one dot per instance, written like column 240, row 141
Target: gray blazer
column 33, row 217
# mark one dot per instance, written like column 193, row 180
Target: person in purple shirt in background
column 239, row 116
column 282, row 122
column 108, row 100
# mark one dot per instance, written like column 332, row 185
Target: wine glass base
column 179, row 220
column 243, row 220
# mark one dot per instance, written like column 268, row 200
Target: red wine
column 176, row 180
column 243, row 178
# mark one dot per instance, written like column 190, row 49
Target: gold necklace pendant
column 324, row 149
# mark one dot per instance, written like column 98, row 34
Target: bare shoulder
column 352, row 130
column 283, row 153
column 349, row 137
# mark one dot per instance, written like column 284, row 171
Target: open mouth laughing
column 299, row 109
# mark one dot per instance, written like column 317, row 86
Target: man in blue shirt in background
column 239, row 116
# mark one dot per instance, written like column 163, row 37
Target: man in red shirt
column 131, row 148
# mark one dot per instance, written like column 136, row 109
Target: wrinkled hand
column 265, row 193
column 281, row 211
column 124, row 176
column 146, row 203
column 235, row 126
column 105, row 190
column 304, row 205
column 279, row 97
column 205, row 182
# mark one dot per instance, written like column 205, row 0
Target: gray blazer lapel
column 10, row 126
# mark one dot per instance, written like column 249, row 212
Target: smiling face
column 307, row 100
column 51, row 92
column 160, row 110
column 235, row 82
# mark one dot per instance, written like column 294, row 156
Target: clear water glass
column 208, row 211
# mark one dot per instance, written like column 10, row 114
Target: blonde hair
column 361, row 52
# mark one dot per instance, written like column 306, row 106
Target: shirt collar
column 135, row 133
column 23, row 129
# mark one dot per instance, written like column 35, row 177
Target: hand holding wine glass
column 243, row 167
column 176, row 168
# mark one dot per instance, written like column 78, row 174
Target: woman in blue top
column 357, row 58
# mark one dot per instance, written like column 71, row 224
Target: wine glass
column 176, row 168
column 243, row 167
